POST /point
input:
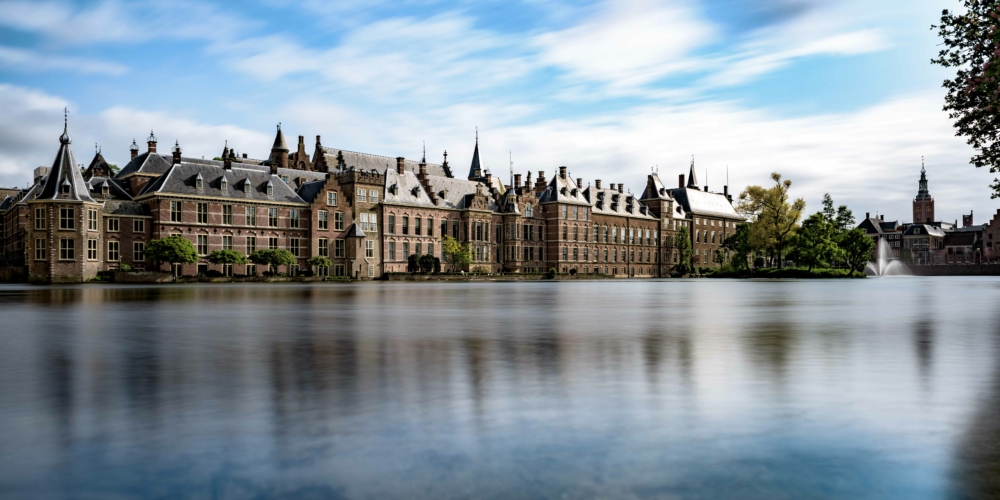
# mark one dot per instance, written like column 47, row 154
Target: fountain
column 885, row 264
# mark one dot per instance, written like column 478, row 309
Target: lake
column 844, row 389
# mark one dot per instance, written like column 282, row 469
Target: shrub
column 227, row 257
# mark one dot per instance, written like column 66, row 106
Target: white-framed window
column 67, row 218
column 331, row 197
column 91, row 249
column 227, row 215
column 202, row 244
column 372, row 196
column 338, row 221
column 293, row 246
column 40, row 217
column 67, row 249
column 362, row 195
column 138, row 225
column 227, row 242
column 40, row 253
column 251, row 215
column 293, row 218
column 272, row 242
column 371, row 271
column 272, row 217
column 323, row 219
column 114, row 224
column 369, row 248
column 138, row 251
column 251, row 244
column 338, row 249
column 175, row 211
column 430, row 249
column 114, row 248
column 392, row 250
column 92, row 220
column 324, row 247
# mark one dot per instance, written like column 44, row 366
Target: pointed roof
column 476, row 169
column 98, row 167
column 64, row 172
column 655, row 190
column 279, row 141
column 692, row 177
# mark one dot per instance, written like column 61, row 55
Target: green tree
column 971, row 41
column 426, row 263
column 413, row 264
column 738, row 244
column 273, row 258
column 814, row 243
column 857, row 247
column 457, row 253
column 227, row 257
column 437, row 265
column 318, row 261
column 774, row 217
column 172, row 250
column 114, row 169
column 682, row 243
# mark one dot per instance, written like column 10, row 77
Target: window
column 575, row 212
column 227, row 215
column 416, row 226
column 576, row 233
column 293, row 246
column 251, row 216
column 175, row 211
column 565, row 254
column 224, row 184
column 67, row 248
column 576, row 253
column 430, row 227
column 529, row 211
column 293, row 218
column 565, row 212
column 406, row 225
column 392, row 250
column 371, row 271
column 323, row 217
column 91, row 249
column 67, row 218
column 338, row 249
column 331, row 197
column 202, row 244
column 138, row 251
column 583, row 213
column 40, row 249
column 390, row 224
column 39, row 218
column 92, row 219
column 369, row 248
column 113, row 251
column 272, row 217
column 605, row 255
column 369, row 222
column 251, row 244
column 454, row 229
column 373, row 196
column 113, row 224
column 418, row 249
column 338, row 221
column 614, row 234
column 270, row 188
column 272, row 242
column 444, row 228
column 406, row 250
column 227, row 242
column 138, row 226
column 586, row 254
column 565, row 232
column 324, row 247
column 430, row 249
column 285, row 179
column 246, row 186
column 362, row 195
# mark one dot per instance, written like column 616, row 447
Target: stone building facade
column 366, row 213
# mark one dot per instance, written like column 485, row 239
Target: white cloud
column 30, row 60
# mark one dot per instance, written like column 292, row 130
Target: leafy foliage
column 814, row 244
column 858, row 248
column 172, row 250
column 682, row 243
column 273, row 258
column 227, row 257
column 774, row 217
column 457, row 253
column 972, row 45
column 426, row 263
column 413, row 264
column 319, row 261
column 738, row 244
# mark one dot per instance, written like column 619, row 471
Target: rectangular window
column 362, row 195
column 40, row 249
column 392, row 250
column 430, row 249
column 586, row 254
column 454, row 229
column 565, row 254
column 91, row 249
column 227, row 215
column 175, row 211
column 565, row 232
column 272, row 242
column 417, row 249
column 138, row 251
column 373, row 196
column 576, row 233
column 324, row 247
column 293, row 246
column 251, row 213
column 67, row 248
column 92, row 220
column 369, row 248
column 251, row 244
column 576, row 254
column 373, row 222
column 339, row 270
column 565, row 210
column 406, row 225
column 227, row 242
column 406, row 250
column 331, row 197
column 40, row 218
column 338, row 221
column 416, row 226
column 67, row 218
column 202, row 244
column 583, row 213
column 293, row 218
column 113, row 251
column 371, row 271
column 272, row 217
column 338, row 249
column 138, row 226
column 202, row 213
column 390, row 224
column 323, row 217
column 430, row 227
column 575, row 212
column 113, row 224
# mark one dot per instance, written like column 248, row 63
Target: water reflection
column 681, row 389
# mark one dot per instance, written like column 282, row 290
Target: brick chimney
column 423, row 172
column 151, row 142
column 597, row 183
column 134, row 149
column 621, row 187
column 562, row 172
column 517, row 181
column 579, row 182
column 540, row 182
column 680, row 181
column 400, row 165
column 177, row 153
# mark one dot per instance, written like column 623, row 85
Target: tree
column 273, row 258
column 457, row 254
column 413, row 264
column 739, row 244
column 173, row 249
column 426, row 263
column 437, row 265
column 114, row 169
column 227, row 257
column 682, row 243
column 773, row 217
column 319, row 261
column 814, row 244
column 857, row 247
column 971, row 42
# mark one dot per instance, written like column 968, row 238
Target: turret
column 279, row 152
column 151, row 142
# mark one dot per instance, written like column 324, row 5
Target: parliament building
column 366, row 213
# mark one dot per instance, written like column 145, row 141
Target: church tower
column 923, row 204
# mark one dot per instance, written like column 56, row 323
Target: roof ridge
column 325, row 149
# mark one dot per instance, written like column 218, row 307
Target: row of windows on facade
column 610, row 255
column 479, row 230
column 67, row 220
column 607, row 234
column 368, row 221
column 67, row 250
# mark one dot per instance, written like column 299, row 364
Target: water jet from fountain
column 885, row 264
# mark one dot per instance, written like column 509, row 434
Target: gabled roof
column 655, row 189
column 146, row 163
column 355, row 232
column 308, row 191
column 405, row 189
column 64, row 172
column 611, row 202
column 692, row 176
column 929, row 229
column 365, row 161
column 116, row 207
column 563, row 191
column 698, row 202
column 457, row 193
column 180, row 179
column 115, row 189
column 98, row 166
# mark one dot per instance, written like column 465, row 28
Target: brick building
column 366, row 213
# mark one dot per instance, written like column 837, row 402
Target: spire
column 65, row 138
column 692, row 177
column 225, row 151
column 922, row 192
column 423, row 159
column 65, row 180
column 476, row 169
column 279, row 141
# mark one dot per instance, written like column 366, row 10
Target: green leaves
column 858, row 247
column 773, row 217
column 227, row 257
column 273, row 257
column 458, row 254
column 172, row 250
column 319, row 261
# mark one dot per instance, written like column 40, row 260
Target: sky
column 837, row 95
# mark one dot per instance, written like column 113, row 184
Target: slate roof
column 98, row 166
column 966, row 239
column 698, row 202
column 181, row 179
column 309, row 190
column 405, row 189
column 365, row 161
column 655, row 190
column 64, row 172
column 563, row 191
column 122, row 207
column 927, row 229
column 146, row 163
column 457, row 193
column 116, row 188
column 7, row 202
column 355, row 231
column 611, row 202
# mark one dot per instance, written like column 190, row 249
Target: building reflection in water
column 624, row 389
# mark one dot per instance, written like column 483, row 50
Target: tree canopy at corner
column 971, row 44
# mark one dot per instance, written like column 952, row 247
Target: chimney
column 227, row 162
column 134, row 149
column 680, row 181
column 706, row 189
column 579, row 183
column 423, row 172
column 400, row 166
column 151, row 142
column 621, row 187
column 597, row 183
column 517, row 181
column 489, row 180
column 725, row 190
column 562, row 172
column 868, row 215
column 244, row 156
column 177, row 153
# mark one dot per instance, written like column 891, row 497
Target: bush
column 412, row 264
column 273, row 258
column 437, row 265
column 125, row 268
column 426, row 263
column 227, row 257
column 172, row 250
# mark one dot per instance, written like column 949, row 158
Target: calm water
column 614, row 389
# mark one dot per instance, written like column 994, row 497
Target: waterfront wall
column 957, row 270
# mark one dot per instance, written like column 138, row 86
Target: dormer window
column 246, row 186
column 64, row 187
column 270, row 188
column 284, row 178
column 104, row 188
column 199, row 183
column 224, row 184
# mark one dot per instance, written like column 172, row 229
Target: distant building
column 880, row 229
column 923, row 203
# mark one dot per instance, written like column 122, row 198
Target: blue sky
column 839, row 96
